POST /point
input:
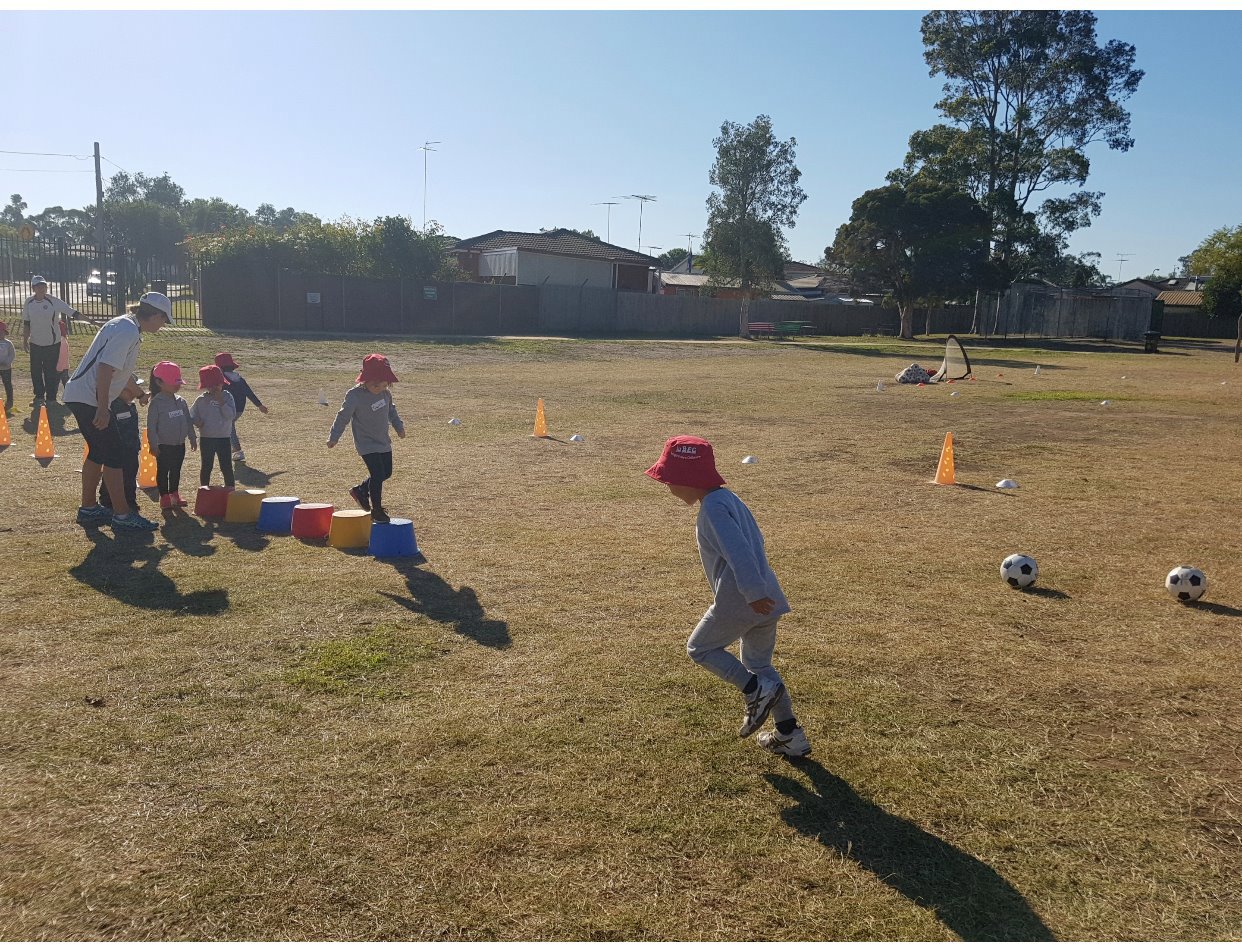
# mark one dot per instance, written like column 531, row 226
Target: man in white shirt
column 104, row 371
column 41, row 338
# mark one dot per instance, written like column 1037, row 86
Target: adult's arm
column 103, row 382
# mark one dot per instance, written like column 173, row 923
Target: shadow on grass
column 127, row 568
column 967, row 895
column 187, row 533
column 439, row 601
column 1215, row 608
column 252, row 477
column 1043, row 593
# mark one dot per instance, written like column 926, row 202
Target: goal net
column 956, row 364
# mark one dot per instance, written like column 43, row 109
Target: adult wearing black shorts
column 105, row 370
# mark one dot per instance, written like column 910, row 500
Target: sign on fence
column 429, row 292
column 312, row 297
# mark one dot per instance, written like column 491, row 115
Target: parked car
column 95, row 285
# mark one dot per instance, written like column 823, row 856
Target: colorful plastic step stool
column 211, row 503
column 395, row 538
column 350, row 528
column 244, row 506
column 312, row 521
column 276, row 514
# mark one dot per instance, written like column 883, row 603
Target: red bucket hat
column 687, row 461
column 375, row 368
column 225, row 361
column 210, row 376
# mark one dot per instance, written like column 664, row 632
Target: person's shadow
column 437, row 600
column 127, row 568
column 967, row 895
column 252, row 477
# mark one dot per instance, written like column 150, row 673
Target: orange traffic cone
column 6, row 437
column 44, row 449
column 541, row 424
column 944, row 470
column 146, row 465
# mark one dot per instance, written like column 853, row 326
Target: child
column 240, row 389
column 7, row 355
column 125, row 417
column 748, row 599
column 213, row 413
column 368, row 409
column 168, row 425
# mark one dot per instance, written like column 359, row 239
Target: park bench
column 761, row 329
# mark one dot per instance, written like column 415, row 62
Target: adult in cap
column 41, row 336
column 100, row 377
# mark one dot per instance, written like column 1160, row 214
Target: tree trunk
column 907, row 320
column 1237, row 346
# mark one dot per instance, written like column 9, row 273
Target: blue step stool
column 276, row 514
column 395, row 538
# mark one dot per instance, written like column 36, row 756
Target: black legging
column 43, row 374
column 168, row 461
column 212, row 448
column 379, row 466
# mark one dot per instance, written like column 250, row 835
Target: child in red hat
column 368, row 409
column 241, row 391
column 748, row 598
column 213, row 413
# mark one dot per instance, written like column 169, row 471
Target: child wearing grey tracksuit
column 213, row 413
column 369, row 410
column 168, row 427
column 748, row 599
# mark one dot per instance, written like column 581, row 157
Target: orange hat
column 375, row 368
column 687, row 461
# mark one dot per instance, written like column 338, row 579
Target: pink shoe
column 177, row 501
column 167, row 502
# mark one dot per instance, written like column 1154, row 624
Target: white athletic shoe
column 793, row 744
column 759, row 704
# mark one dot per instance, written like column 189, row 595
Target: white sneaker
column 793, row 744
column 239, row 455
column 759, row 704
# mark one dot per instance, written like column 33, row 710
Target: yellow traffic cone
column 44, row 449
column 146, row 465
column 944, row 470
column 541, row 424
column 6, row 436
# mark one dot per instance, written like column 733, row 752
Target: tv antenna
column 1122, row 257
column 642, row 200
column 608, row 222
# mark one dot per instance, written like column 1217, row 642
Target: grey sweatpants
column 709, row 642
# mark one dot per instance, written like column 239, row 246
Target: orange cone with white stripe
column 944, row 470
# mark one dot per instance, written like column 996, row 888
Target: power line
column 113, row 163
column 46, row 154
column 51, row 170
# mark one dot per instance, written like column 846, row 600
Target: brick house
column 559, row 257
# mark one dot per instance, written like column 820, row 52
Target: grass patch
column 1060, row 395
column 382, row 663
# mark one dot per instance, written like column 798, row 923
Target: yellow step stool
column 244, row 506
column 350, row 528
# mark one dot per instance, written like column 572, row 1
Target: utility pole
column 424, row 148
column 99, row 223
column 608, row 220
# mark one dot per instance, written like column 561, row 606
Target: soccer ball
column 1019, row 570
column 1186, row 583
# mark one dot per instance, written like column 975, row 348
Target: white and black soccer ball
column 1186, row 583
column 1019, row 570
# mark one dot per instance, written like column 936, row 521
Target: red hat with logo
column 375, row 368
column 687, row 461
column 226, row 361
column 4, row 327
column 209, row 376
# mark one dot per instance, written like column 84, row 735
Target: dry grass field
column 211, row 733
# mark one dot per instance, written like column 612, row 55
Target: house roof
column 1180, row 298
column 561, row 241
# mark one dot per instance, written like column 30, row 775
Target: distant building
column 802, row 283
column 558, row 257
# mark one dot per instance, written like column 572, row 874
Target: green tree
column 757, row 196
column 1027, row 92
column 670, row 258
column 15, row 213
column 588, row 233
column 1219, row 257
column 71, row 226
column 203, row 215
column 125, row 187
column 149, row 229
column 922, row 242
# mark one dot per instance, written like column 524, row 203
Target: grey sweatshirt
column 7, row 353
column 214, row 419
column 168, row 421
column 369, row 416
column 734, row 559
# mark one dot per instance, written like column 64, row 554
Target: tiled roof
column 562, row 241
column 1180, row 298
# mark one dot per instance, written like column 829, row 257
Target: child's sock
column 787, row 727
column 751, row 685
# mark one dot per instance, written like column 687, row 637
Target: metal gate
column 99, row 286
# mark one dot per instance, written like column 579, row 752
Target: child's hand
column 763, row 606
column 401, row 433
column 331, row 443
column 263, row 408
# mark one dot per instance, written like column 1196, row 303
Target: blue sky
column 542, row 114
